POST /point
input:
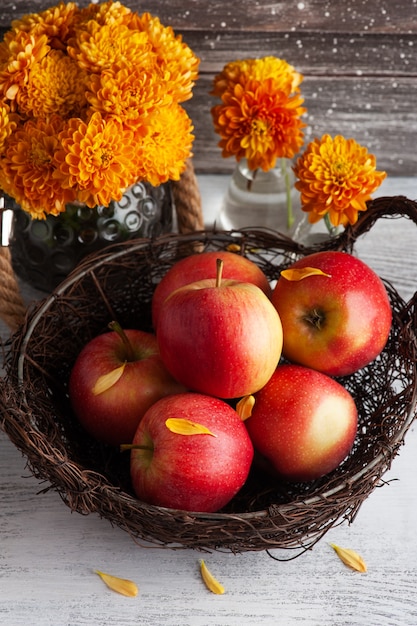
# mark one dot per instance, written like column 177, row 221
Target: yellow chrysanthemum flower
column 336, row 177
column 260, row 122
column 167, row 145
column 98, row 157
column 56, row 85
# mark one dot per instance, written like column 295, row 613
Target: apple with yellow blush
column 335, row 312
column 303, row 423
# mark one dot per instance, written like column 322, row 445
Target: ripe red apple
column 192, row 472
column 335, row 323
column 113, row 414
column 220, row 337
column 203, row 265
column 303, row 423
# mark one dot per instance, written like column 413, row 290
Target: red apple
column 220, row 337
column 303, row 423
column 203, row 265
column 192, row 472
column 113, row 414
column 336, row 322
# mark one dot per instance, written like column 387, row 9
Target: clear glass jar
column 263, row 200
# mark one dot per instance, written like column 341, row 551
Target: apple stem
column 130, row 355
column 219, row 264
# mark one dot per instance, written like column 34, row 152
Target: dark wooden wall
column 358, row 57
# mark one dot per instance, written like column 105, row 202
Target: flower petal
column 182, row 426
column 108, row 380
column 297, row 274
column 120, row 585
column 350, row 558
column 211, row 583
column 244, row 407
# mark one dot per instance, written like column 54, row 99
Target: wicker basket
column 90, row 477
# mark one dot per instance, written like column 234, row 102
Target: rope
column 12, row 308
column 187, row 200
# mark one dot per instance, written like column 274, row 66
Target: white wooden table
column 48, row 554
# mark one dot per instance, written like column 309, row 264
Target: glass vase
column 258, row 199
column 44, row 252
column 322, row 232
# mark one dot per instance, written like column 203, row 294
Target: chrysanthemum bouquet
column 90, row 102
column 260, row 119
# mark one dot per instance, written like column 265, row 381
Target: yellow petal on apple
column 211, row 582
column 245, row 406
column 120, row 585
column 108, row 380
column 182, row 426
column 299, row 273
column 350, row 558
column 233, row 247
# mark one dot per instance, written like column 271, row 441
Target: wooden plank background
column 358, row 58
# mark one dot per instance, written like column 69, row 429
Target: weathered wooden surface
column 358, row 58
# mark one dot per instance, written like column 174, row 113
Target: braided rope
column 12, row 307
column 187, row 200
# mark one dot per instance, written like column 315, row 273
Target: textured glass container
column 44, row 252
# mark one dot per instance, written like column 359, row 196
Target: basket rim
column 117, row 251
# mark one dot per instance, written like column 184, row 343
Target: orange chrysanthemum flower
column 128, row 95
column 98, row 157
column 54, row 22
column 24, row 51
column 27, row 171
column 176, row 60
column 84, row 94
column 110, row 46
column 260, row 122
column 103, row 13
column 286, row 76
column 259, row 117
column 8, row 125
column 336, row 177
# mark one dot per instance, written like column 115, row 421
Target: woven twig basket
column 118, row 284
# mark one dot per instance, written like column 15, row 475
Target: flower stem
column 333, row 230
column 251, row 180
column 290, row 213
